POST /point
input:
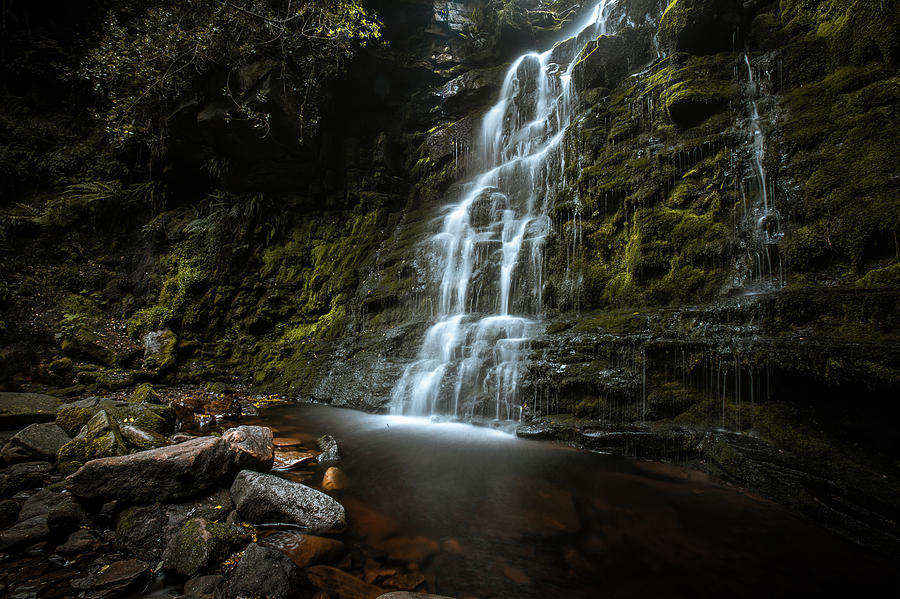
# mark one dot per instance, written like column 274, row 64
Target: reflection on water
column 468, row 511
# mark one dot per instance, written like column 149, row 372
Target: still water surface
column 517, row 518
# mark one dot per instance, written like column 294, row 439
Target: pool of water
column 506, row 517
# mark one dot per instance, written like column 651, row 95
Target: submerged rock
column 265, row 572
column 340, row 584
column 21, row 409
column 39, row 441
column 335, row 479
column 264, row 498
column 305, row 550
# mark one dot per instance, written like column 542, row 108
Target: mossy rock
column 200, row 543
column 701, row 26
column 99, row 438
column 145, row 393
column 161, row 350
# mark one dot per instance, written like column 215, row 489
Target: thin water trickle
column 470, row 363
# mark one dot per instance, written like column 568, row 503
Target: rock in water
column 39, row 441
column 305, row 550
column 329, row 448
column 335, row 479
column 252, row 447
column 21, row 409
column 409, row 595
column 338, row 583
column 264, row 572
column 264, row 498
column 173, row 472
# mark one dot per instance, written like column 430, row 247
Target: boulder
column 264, row 498
column 176, row 471
column 120, row 578
column 78, row 542
column 329, row 448
column 264, row 572
column 145, row 393
column 39, row 441
column 109, row 349
column 62, row 510
column 21, row 409
column 152, row 417
column 339, row 584
column 160, row 350
column 24, row 475
column 199, row 543
column 24, row 532
column 203, row 587
column 9, row 512
column 305, row 550
column 99, row 438
column 142, row 439
column 162, row 474
column 252, row 447
column 701, row 26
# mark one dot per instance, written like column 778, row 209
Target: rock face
column 20, row 409
column 39, row 441
column 173, row 472
column 264, row 572
column 265, row 498
column 701, row 26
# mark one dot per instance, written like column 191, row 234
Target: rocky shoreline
column 194, row 517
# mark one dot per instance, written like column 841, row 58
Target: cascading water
column 471, row 360
column 762, row 269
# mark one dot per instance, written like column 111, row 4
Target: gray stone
column 262, row 498
column 39, row 441
column 24, row 532
column 22, row 476
column 264, row 572
column 78, row 542
column 173, row 472
column 203, row 587
column 21, row 409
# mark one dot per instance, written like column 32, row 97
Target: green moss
column 145, row 393
column 72, row 418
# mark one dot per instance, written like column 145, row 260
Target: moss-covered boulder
column 199, row 544
column 160, row 350
column 145, row 393
column 108, row 349
column 148, row 416
column 701, row 26
column 99, row 438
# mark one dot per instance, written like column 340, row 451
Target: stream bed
column 480, row 513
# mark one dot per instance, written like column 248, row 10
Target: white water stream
column 470, row 362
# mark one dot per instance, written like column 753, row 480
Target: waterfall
column 486, row 260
